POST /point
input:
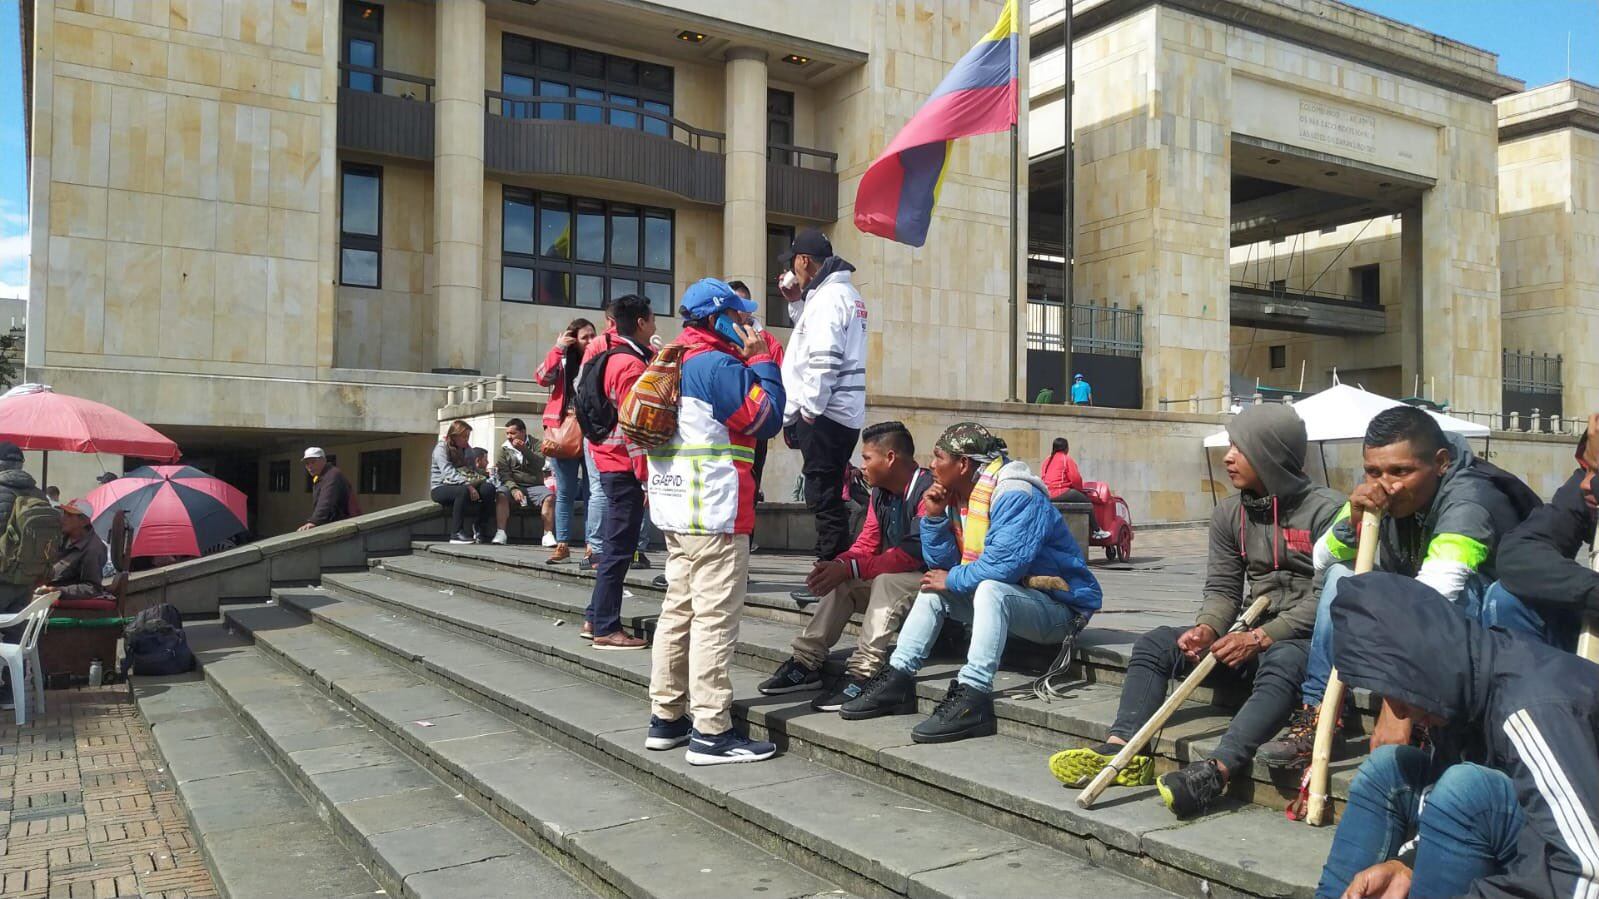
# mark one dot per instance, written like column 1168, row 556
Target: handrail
column 695, row 135
column 1288, row 293
column 426, row 83
column 830, row 158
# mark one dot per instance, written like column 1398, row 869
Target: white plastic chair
column 23, row 658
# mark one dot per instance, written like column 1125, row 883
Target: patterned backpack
column 648, row 412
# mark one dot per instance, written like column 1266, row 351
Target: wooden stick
column 1332, row 699
column 1588, row 640
column 1158, row 720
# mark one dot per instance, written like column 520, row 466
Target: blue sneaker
column 727, row 748
column 668, row 734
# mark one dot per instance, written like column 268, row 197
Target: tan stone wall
column 279, row 513
column 390, row 328
column 1582, row 330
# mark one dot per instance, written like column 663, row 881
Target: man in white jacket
column 824, row 375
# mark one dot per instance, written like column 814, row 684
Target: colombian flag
column 896, row 195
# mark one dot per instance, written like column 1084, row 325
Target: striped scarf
column 974, row 524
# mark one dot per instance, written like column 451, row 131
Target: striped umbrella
column 174, row 510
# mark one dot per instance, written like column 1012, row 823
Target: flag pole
column 1014, row 252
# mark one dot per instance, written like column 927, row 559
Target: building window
column 779, row 125
column 778, row 239
column 536, row 68
column 278, row 476
column 361, row 226
column 1366, row 283
column 380, row 471
column 333, row 461
column 363, row 45
column 573, row 251
column 1278, row 287
column 1279, row 356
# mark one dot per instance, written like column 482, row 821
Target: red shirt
column 616, row 453
column 1061, row 474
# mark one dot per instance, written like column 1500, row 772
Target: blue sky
column 1530, row 37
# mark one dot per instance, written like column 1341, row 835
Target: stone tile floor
column 86, row 809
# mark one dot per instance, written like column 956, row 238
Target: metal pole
column 1015, row 230
column 1067, row 213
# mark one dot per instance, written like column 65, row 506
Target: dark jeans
column 1466, row 830
column 618, row 537
column 455, row 498
column 825, row 448
column 14, row 598
column 1275, row 675
column 760, row 463
column 1070, row 495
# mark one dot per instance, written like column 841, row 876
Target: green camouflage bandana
column 968, row 438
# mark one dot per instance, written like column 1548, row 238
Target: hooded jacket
column 1268, row 540
column 824, row 367
column 1451, row 542
column 1511, row 704
column 1026, row 537
column 14, row 481
column 1538, row 559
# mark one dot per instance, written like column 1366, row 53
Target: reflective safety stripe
column 1340, row 550
column 1457, row 548
column 737, row 453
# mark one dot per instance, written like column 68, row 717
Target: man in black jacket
column 1543, row 592
column 330, row 490
column 1505, row 802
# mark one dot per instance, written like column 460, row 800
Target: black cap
column 9, row 452
column 106, row 477
column 809, row 242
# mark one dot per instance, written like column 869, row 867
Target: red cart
column 1113, row 522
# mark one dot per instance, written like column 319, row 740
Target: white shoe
column 499, row 538
column 549, row 540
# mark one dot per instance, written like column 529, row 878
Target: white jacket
column 824, row 365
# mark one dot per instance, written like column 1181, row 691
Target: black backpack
column 154, row 643
column 1523, row 498
column 596, row 414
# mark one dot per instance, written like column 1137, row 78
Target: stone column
column 1412, row 353
column 744, row 207
column 458, row 186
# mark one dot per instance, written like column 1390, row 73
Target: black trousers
column 760, row 464
column 618, row 537
column 825, row 447
column 455, row 498
column 1274, row 675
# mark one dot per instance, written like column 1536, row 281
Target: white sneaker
column 499, row 538
column 549, row 540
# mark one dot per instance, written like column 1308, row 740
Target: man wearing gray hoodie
column 1262, row 541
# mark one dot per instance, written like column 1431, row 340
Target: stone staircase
column 456, row 674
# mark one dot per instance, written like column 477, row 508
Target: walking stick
column 1588, row 640
column 1158, row 720
column 1332, row 699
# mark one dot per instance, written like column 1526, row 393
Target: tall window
column 1279, row 356
column 779, row 125
column 778, row 238
column 363, row 45
column 560, row 250
column 278, row 476
column 380, row 471
column 1366, row 281
column 534, row 68
column 361, row 226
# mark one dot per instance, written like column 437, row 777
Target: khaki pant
column 882, row 602
column 706, row 580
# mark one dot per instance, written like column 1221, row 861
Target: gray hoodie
column 441, row 472
column 1269, row 539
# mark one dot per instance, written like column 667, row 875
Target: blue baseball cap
column 708, row 296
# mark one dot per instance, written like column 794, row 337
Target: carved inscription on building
column 1337, row 127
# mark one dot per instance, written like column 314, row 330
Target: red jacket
column 616, row 454
column 868, row 557
column 1061, row 474
column 552, row 373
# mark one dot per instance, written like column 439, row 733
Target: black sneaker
column 965, row 711
column 846, row 692
column 791, row 677
column 660, row 582
column 1189, row 791
column 641, row 561
column 889, row 692
column 1293, row 748
column 803, row 598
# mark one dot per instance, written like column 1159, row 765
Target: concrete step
column 1083, row 719
column 776, row 805
column 418, row 837
column 1239, row 849
column 260, row 837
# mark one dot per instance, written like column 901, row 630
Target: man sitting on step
column 1002, row 560
column 1265, row 534
column 878, row 576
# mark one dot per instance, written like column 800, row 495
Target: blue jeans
column 1500, row 608
column 568, row 484
column 1466, row 824
column 994, row 611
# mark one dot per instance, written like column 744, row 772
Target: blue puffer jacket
column 1026, row 537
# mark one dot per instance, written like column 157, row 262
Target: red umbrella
column 174, row 510
column 34, row 417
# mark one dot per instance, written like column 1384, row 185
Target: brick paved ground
column 86, row 809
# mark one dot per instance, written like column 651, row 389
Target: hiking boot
column 561, row 554
column 660, row 582
column 640, row 561
column 834, row 700
column 727, row 748
column 803, row 598
column 965, row 711
column 620, row 640
column 1076, row 768
column 1190, row 790
column 1293, row 748
column 791, row 677
column 668, row 734
column 460, row 539
column 889, row 692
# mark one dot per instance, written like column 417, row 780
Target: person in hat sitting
column 77, row 568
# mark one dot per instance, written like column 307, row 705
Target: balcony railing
column 385, row 112
column 801, row 182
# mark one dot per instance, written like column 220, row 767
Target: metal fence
column 1532, row 372
column 1105, row 330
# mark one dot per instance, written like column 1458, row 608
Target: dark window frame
column 358, row 27
column 776, row 116
column 1278, row 355
column 381, row 472
column 278, row 476
column 361, row 242
column 776, row 306
column 573, row 267
column 1363, row 276
column 516, row 49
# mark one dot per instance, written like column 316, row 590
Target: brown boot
column 561, row 554
column 619, row 640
